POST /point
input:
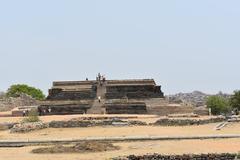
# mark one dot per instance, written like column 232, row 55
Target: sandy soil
column 61, row 133
column 147, row 118
column 166, row 147
column 139, row 148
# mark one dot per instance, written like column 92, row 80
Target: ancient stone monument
column 100, row 96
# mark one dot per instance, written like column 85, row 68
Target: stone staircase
column 97, row 107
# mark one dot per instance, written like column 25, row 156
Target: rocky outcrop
column 223, row 156
column 195, row 98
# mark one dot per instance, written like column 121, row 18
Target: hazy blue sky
column 184, row 45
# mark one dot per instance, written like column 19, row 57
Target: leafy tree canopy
column 18, row 89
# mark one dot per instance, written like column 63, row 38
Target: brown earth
column 67, row 133
column 127, row 148
column 81, row 147
column 138, row 148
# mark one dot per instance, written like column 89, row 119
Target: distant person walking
column 99, row 99
column 24, row 113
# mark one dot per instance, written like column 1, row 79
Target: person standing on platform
column 99, row 99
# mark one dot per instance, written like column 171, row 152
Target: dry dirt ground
column 127, row 148
column 67, row 133
column 165, row 147
column 147, row 118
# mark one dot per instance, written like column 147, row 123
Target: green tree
column 18, row 89
column 235, row 100
column 218, row 105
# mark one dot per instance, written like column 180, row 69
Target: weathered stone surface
column 126, row 108
column 223, row 156
column 133, row 89
column 27, row 127
column 8, row 103
column 109, row 90
column 63, row 109
column 72, row 90
column 184, row 122
column 91, row 123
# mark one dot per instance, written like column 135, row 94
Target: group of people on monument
column 101, row 79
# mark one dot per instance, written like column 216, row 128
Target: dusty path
column 11, row 143
column 127, row 148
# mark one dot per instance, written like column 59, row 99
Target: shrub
column 18, row 89
column 32, row 116
column 218, row 105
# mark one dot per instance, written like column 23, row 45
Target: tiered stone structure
column 73, row 90
column 133, row 89
column 117, row 97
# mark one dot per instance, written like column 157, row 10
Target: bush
column 235, row 100
column 18, row 89
column 32, row 116
column 218, row 105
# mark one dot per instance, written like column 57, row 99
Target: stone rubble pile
column 223, row 156
column 186, row 122
column 27, row 127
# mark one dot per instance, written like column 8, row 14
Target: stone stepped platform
column 126, row 108
column 72, row 90
column 132, row 89
column 137, row 89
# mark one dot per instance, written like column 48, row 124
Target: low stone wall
column 91, row 123
column 166, row 109
column 186, row 122
column 223, row 156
